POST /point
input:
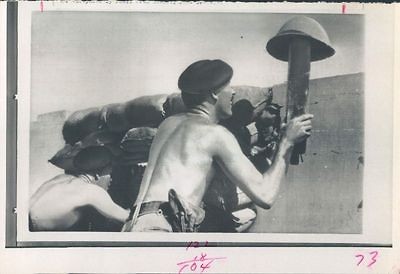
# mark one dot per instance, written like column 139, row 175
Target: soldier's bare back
column 180, row 158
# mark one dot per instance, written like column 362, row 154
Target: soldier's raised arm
column 262, row 189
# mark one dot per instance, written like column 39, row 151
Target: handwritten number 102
column 371, row 258
column 196, row 244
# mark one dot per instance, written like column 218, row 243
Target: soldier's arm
column 98, row 198
column 262, row 189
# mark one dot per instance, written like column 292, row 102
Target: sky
column 85, row 59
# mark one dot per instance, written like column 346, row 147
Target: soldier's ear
column 214, row 96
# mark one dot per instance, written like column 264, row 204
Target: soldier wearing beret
column 188, row 148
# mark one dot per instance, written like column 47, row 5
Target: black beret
column 205, row 76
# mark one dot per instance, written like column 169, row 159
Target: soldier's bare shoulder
column 217, row 134
column 221, row 131
column 75, row 187
column 223, row 139
column 198, row 128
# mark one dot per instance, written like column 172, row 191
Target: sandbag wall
column 107, row 125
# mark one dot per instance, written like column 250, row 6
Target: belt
column 148, row 207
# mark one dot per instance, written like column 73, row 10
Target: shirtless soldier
column 66, row 202
column 188, row 146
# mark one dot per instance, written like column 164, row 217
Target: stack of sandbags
column 150, row 111
column 144, row 111
column 84, row 126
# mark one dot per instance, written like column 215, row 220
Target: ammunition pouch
column 182, row 216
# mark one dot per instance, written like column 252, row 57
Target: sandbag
column 255, row 95
column 174, row 105
column 146, row 111
column 80, row 124
column 141, row 135
column 136, row 145
column 64, row 158
column 114, row 117
column 142, row 111
column 92, row 152
column 248, row 103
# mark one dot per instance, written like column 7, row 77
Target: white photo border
column 377, row 195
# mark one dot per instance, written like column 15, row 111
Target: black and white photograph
column 174, row 137
column 249, row 123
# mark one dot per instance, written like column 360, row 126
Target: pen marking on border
column 371, row 258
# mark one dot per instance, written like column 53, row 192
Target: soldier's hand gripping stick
column 300, row 41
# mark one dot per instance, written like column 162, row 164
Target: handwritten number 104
column 371, row 259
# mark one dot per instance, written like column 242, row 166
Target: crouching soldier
column 68, row 201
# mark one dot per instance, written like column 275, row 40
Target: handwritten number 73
column 370, row 260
